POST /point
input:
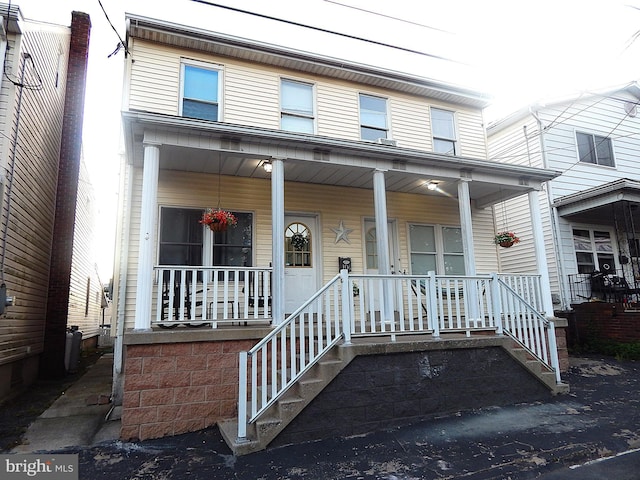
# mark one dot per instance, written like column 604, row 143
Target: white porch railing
column 276, row 362
column 211, row 295
column 365, row 305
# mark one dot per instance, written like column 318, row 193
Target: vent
column 399, row 165
column 228, row 143
column 387, row 141
column 322, row 155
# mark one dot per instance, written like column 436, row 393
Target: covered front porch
column 604, row 225
column 408, row 212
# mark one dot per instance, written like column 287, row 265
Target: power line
column 121, row 44
column 389, row 17
column 332, row 32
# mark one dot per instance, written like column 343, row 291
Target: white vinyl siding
column 155, row 79
column 251, row 97
column 30, row 226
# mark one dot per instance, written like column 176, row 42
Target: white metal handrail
column 526, row 325
column 275, row 363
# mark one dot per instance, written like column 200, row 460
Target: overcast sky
column 516, row 51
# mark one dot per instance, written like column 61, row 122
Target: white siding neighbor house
column 41, row 111
column 590, row 212
column 285, row 213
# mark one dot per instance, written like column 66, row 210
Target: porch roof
column 229, row 149
column 594, row 205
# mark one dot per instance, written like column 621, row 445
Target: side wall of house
column 243, row 194
column 520, row 144
column 30, row 170
column 602, row 116
column 85, row 294
column 155, row 87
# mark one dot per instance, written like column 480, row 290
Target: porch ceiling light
column 432, row 186
column 268, row 167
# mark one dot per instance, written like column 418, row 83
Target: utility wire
column 332, row 32
column 121, row 44
column 389, row 17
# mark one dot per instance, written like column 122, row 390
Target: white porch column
column 382, row 243
column 464, row 207
column 277, row 240
column 147, row 240
column 541, row 258
column 382, row 225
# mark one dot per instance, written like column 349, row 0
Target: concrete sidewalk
column 81, row 416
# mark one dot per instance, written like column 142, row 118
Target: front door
column 300, row 272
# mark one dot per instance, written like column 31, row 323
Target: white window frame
column 434, row 137
column 439, row 240
column 205, row 66
column 285, row 113
column 387, row 118
column 593, row 136
column 596, row 262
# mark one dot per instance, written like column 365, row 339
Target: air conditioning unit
column 387, row 141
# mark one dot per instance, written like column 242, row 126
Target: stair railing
column 527, row 326
column 275, row 363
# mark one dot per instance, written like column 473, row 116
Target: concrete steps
column 535, row 367
column 276, row 418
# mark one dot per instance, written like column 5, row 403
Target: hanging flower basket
column 506, row 239
column 218, row 220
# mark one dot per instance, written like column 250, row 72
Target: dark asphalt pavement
column 575, row 436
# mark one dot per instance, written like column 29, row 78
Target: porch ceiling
column 208, row 147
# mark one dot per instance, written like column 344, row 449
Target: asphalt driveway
column 567, row 437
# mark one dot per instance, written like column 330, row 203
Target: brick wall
column 52, row 358
column 175, row 388
column 601, row 320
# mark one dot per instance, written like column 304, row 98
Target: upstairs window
column 373, row 117
column 200, row 92
column 296, row 106
column 443, row 131
column 594, row 149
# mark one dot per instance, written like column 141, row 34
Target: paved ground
column 592, row 433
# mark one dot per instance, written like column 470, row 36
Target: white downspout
column 123, row 241
column 555, row 222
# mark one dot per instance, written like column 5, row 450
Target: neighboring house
column 349, row 184
column 87, row 291
column 590, row 212
column 41, row 111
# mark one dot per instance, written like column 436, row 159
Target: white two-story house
column 357, row 207
column 590, row 212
